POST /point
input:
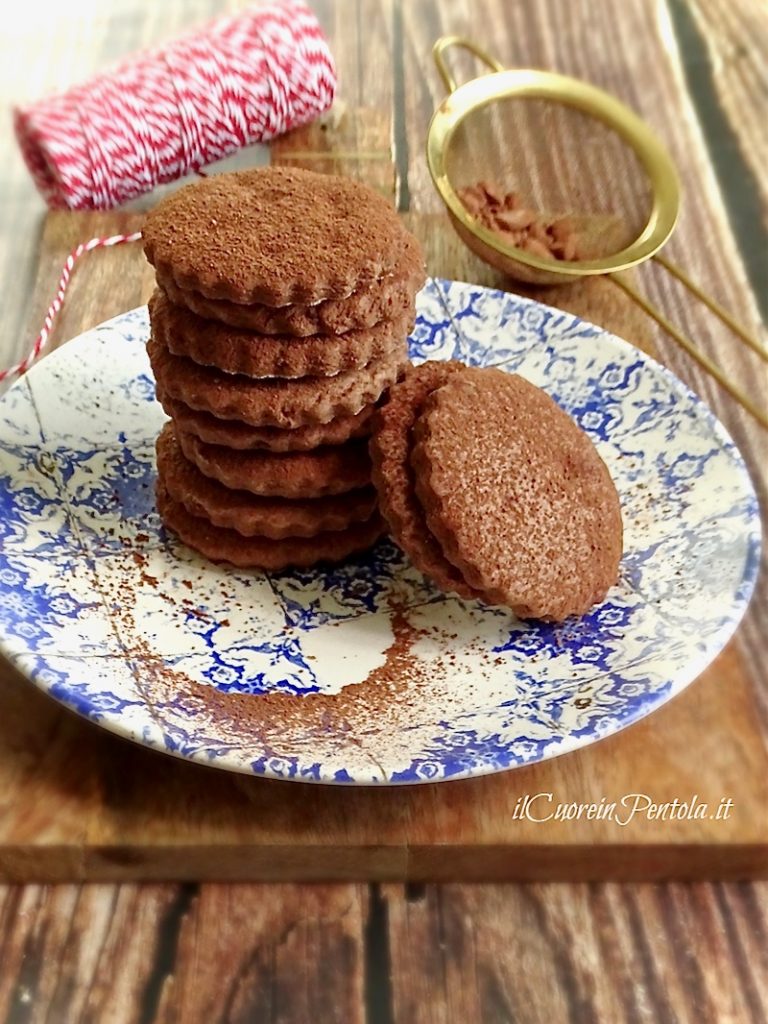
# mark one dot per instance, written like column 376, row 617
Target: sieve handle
column 445, row 43
column 712, row 304
column 688, row 346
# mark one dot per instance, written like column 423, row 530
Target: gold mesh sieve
column 521, row 130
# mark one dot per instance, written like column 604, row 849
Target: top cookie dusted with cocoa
column 274, row 235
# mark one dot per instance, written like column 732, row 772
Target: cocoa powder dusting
column 417, row 683
column 314, row 712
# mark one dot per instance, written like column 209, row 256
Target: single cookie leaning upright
column 390, row 449
column 273, row 235
column 517, row 495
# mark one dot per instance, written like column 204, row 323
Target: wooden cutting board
column 78, row 803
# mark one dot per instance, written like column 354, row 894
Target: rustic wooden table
column 454, row 953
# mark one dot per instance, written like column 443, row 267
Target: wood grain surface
column 454, row 954
column 457, row 952
column 731, row 78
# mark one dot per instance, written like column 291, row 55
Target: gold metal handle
column 712, row 304
column 445, row 43
column 687, row 345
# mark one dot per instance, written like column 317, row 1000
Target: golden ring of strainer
column 544, row 85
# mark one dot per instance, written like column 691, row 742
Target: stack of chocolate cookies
column 284, row 303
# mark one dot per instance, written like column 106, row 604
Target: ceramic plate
column 362, row 673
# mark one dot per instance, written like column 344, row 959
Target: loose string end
column 58, row 300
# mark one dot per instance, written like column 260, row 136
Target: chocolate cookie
column 271, row 402
column 517, row 495
column 272, row 355
column 232, row 434
column 223, row 545
column 274, row 235
column 333, row 469
column 390, row 448
column 251, row 515
column 388, row 298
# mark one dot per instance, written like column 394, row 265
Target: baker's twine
column 58, row 300
column 241, row 79
column 170, row 111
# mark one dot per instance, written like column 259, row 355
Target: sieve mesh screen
column 560, row 162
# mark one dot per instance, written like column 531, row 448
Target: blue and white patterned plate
column 373, row 675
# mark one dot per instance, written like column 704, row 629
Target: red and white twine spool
column 242, row 79
column 239, row 80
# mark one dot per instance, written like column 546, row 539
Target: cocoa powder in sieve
column 518, row 225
